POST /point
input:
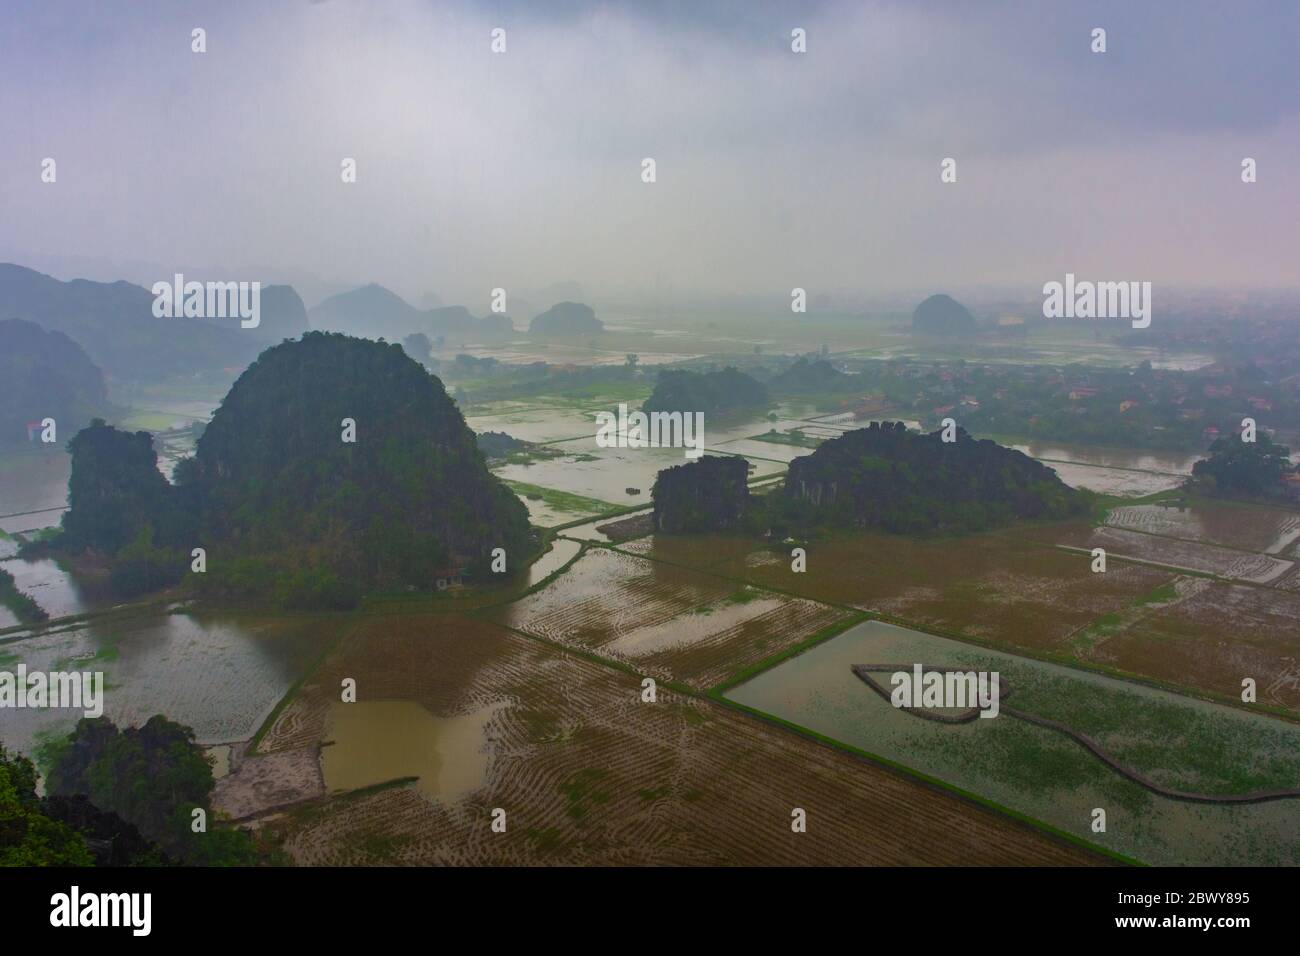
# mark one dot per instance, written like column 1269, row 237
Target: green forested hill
column 45, row 374
column 284, row 506
column 888, row 477
column 713, row 393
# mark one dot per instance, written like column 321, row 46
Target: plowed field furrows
column 589, row 774
column 693, row 551
column 1215, row 635
column 993, row 587
column 669, row 622
column 1177, row 553
column 1247, row 527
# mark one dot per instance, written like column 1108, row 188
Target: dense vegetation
column 287, row 510
column 566, row 318
column 154, row 777
column 28, row 835
column 882, row 477
column 806, row 377
column 1136, row 407
column 498, row 444
column 45, row 375
column 711, row 494
column 1238, row 469
column 23, row 605
column 942, row 315
column 885, row 476
column 713, row 393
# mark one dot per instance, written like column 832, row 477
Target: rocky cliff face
column 115, row 490
column 711, row 494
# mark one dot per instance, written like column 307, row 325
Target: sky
column 774, row 169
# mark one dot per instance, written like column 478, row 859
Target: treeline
column 23, row 605
column 713, row 393
column 117, row 798
column 1255, row 471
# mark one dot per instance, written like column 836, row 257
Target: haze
column 479, row 170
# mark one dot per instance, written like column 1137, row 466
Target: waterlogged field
column 374, row 742
column 698, row 551
column 598, row 474
column 1130, row 459
column 220, row 674
column 33, row 488
column 58, row 591
column 1176, row 553
column 588, row 774
column 536, row 424
column 1212, row 635
column 995, row 587
column 1114, row 481
column 1176, row 742
column 671, row 623
column 561, row 552
column 1006, row 590
column 1231, row 525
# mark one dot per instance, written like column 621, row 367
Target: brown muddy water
column 562, row 551
column 374, row 742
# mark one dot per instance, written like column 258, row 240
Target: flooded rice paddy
column 561, row 553
column 220, row 674
column 671, row 622
column 1250, row 528
column 374, row 742
column 1178, row 742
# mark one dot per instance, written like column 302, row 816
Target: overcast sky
column 775, row 169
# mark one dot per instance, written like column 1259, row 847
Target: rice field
column 670, row 623
column 1245, row 527
column 589, row 471
column 1175, row 741
column 1194, row 556
column 994, row 587
column 589, row 774
column 219, row 674
column 1212, row 636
